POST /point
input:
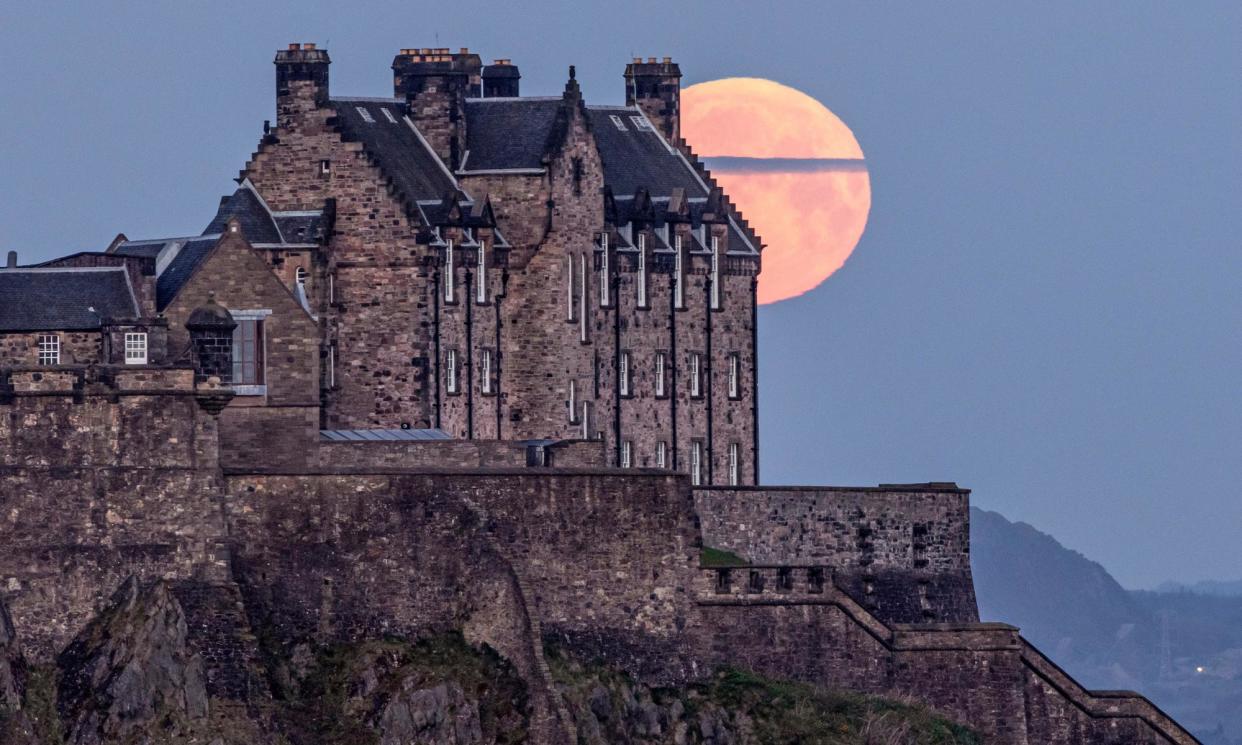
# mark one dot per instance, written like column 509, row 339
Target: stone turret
column 301, row 81
column 211, row 336
column 655, row 87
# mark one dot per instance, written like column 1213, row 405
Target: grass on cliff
column 754, row 708
column 713, row 558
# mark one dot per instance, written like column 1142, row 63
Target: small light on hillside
column 1199, row 669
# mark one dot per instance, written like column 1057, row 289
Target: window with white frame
column 715, row 272
column 480, row 277
column 586, row 420
column 449, row 273
column 604, row 273
column 660, row 364
column 49, row 349
column 696, row 463
column 571, row 302
column 696, row 374
column 641, row 278
column 735, row 373
column 627, row 454
column 299, row 275
column 332, row 365
column 248, row 351
column 735, row 464
column 573, row 402
column 136, row 348
column 582, row 298
column 623, row 373
column 450, row 371
column 679, row 275
column 485, row 372
column 661, row 454
column 331, row 288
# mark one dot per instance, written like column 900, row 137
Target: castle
column 463, row 358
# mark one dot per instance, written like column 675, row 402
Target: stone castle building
column 466, row 358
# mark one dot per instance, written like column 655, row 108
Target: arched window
column 300, row 275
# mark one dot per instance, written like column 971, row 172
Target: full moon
column 792, row 167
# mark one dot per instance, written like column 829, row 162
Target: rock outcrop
column 131, row 668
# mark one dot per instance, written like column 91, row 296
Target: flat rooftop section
column 383, row 435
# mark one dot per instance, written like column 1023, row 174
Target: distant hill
column 1232, row 588
column 1110, row 637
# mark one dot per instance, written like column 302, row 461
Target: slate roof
column 175, row 260
column 507, row 133
column 60, row 299
column 639, row 157
column 415, row 171
column 256, row 220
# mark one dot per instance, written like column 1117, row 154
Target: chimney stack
column 12, row 260
column 301, row 82
column 436, row 83
column 655, row 87
column 500, row 79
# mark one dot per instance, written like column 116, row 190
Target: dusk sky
column 1046, row 305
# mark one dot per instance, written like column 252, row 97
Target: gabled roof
column 251, row 212
column 62, row 299
column 394, row 144
column 506, row 134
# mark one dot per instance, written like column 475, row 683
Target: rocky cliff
column 133, row 677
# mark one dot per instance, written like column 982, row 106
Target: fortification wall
column 902, row 551
column 101, row 476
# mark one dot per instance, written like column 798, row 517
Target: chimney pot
column 465, row 50
column 651, row 60
column 308, row 46
column 424, row 50
column 12, row 260
column 294, row 47
column 668, row 60
column 638, row 60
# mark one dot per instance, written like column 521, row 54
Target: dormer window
column 366, row 115
column 679, row 274
column 388, row 115
column 641, row 123
column 618, row 122
column 480, row 277
column 715, row 273
column 641, row 279
column 449, row 273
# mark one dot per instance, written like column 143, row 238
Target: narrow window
column 331, row 288
column 696, row 374
column 723, row 581
column 735, row 369
column 450, row 371
column 755, row 583
column 571, row 303
column 49, row 349
column 586, row 420
column 573, row 402
column 248, row 352
column 735, row 464
column 715, row 272
column 332, row 366
column 659, row 374
column 480, row 277
column 696, row 463
column 299, row 276
column 136, row 348
column 577, row 166
column 661, row 454
column 627, row 451
column 623, row 373
column 784, row 579
column 485, row 372
column 325, row 168
column 582, row 298
column 815, row 579
column 449, row 273
column 604, row 274
column 679, row 275
column 641, row 279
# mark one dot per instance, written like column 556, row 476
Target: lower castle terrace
column 463, row 359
